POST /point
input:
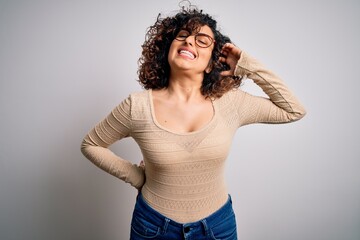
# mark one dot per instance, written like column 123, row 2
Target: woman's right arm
column 115, row 126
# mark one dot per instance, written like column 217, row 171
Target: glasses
column 201, row 39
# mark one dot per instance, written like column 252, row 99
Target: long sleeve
column 281, row 107
column 115, row 126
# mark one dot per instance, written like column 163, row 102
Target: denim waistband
column 213, row 218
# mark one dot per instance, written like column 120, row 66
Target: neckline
column 204, row 127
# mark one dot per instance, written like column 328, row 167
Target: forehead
column 207, row 30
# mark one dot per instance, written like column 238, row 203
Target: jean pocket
column 225, row 230
column 143, row 228
column 225, row 235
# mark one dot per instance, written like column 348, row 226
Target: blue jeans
column 147, row 223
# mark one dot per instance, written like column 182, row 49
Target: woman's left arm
column 281, row 107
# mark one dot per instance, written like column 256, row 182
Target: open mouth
column 186, row 54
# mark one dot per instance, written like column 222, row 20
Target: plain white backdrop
column 65, row 64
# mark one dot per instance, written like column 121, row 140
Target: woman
column 184, row 122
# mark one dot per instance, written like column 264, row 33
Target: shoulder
column 231, row 97
column 139, row 95
column 133, row 100
column 136, row 98
column 139, row 103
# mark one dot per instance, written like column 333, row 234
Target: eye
column 204, row 40
column 183, row 34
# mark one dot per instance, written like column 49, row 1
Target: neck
column 185, row 88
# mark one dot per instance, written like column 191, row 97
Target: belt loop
column 166, row 225
column 206, row 229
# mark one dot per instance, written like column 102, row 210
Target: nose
column 190, row 40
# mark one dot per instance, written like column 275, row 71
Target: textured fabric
column 185, row 172
column 147, row 223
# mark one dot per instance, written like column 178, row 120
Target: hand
column 142, row 164
column 231, row 57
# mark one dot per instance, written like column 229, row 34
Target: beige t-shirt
column 185, row 171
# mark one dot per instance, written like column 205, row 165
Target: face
column 188, row 52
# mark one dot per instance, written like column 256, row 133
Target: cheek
column 207, row 52
column 172, row 51
column 207, row 57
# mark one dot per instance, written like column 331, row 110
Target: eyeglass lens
column 201, row 39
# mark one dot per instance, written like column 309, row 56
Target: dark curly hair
column 154, row 69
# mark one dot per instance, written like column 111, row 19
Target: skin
column 181, row 107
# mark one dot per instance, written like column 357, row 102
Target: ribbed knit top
column 184, row 172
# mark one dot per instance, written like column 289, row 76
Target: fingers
column 226, row 73
column 227, row 48
column 230, row 55
column 225, row 51
column 230, row 48
column 222, row 59
column 142, row 164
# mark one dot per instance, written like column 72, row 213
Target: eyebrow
column 201, row 33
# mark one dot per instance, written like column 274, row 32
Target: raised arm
column 115, row 126
column 281, row 106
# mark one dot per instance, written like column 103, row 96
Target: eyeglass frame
column 182, row 39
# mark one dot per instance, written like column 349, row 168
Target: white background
column 65, row 64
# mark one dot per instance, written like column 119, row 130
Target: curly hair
column 154, row 68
